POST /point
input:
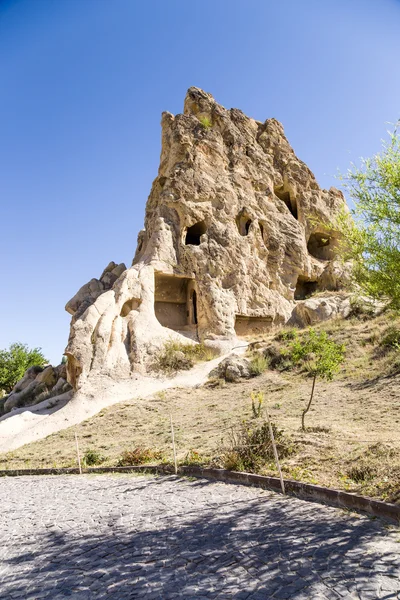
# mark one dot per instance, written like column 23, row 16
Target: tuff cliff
column 237, row 232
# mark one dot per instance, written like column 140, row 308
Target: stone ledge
column 338, row 498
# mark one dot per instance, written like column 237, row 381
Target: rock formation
column 37, row 384
column 236, row 234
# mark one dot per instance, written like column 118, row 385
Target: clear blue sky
column 83, row 85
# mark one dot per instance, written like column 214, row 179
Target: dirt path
column 30, row 424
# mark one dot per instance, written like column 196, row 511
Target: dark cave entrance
column 286, row 198
column 194, row 233
column 243, row 223
column 304, row 288
column 320, row 246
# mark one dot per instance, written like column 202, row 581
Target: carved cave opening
column 320, row 246
column 286, row 198
column 243, row 223
column 129, row 305
column 304, row 288
column 245, row 325
column 194, row 233
column 175, row 301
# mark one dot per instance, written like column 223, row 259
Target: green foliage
column 372, row 239
column 258, row 364
column 92, row 457
column 206, row 122
column 319, row 355
column 176, row 356
column 15, row 361
column 286, row 334
column 391, row 338
column 139, row 456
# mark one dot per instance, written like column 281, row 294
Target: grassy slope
column 353, row 440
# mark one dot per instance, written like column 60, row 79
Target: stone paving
column 121, row 537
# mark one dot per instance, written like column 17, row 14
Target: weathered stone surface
column 48, row 376
column 92, row 290
column 315, row 310
column 38, row 384
column 233, row 368
column 236, row 231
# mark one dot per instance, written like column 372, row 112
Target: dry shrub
column 278, row 358
column 258, row 364
column 250, row 447
column 176, row 356
column 139, row 456
column 194, row 457
column 361, row 472
column 361, row 308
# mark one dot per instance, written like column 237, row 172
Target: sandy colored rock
column 232, row 368
column 237, row 231
column 36, row 385
column 47, row 376
column 316, row 310
column 92, row 290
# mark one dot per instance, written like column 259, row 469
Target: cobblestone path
column 120, row 537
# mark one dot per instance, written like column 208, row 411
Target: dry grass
column 353, row 439
column 176, row 356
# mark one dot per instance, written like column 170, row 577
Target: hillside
column 352, row 440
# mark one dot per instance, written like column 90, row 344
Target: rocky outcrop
column 237, row 231
column 316, row 310
column 38, row 384
column 232, row 368
column 89, row 292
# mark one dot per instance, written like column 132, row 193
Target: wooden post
column 173, row 446
column 77, row 453
column 278, row 466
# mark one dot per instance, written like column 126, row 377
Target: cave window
column 194, row 233
column 243, row 223
column 130, row 305
column 286, row 198
column 304, row 288
column 320, row 246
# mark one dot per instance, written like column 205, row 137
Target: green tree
column 371, row 234
column 321, row 357
column 15, row 361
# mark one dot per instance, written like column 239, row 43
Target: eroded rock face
column 236, row 230
column 315, row 310
column 37, row 384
